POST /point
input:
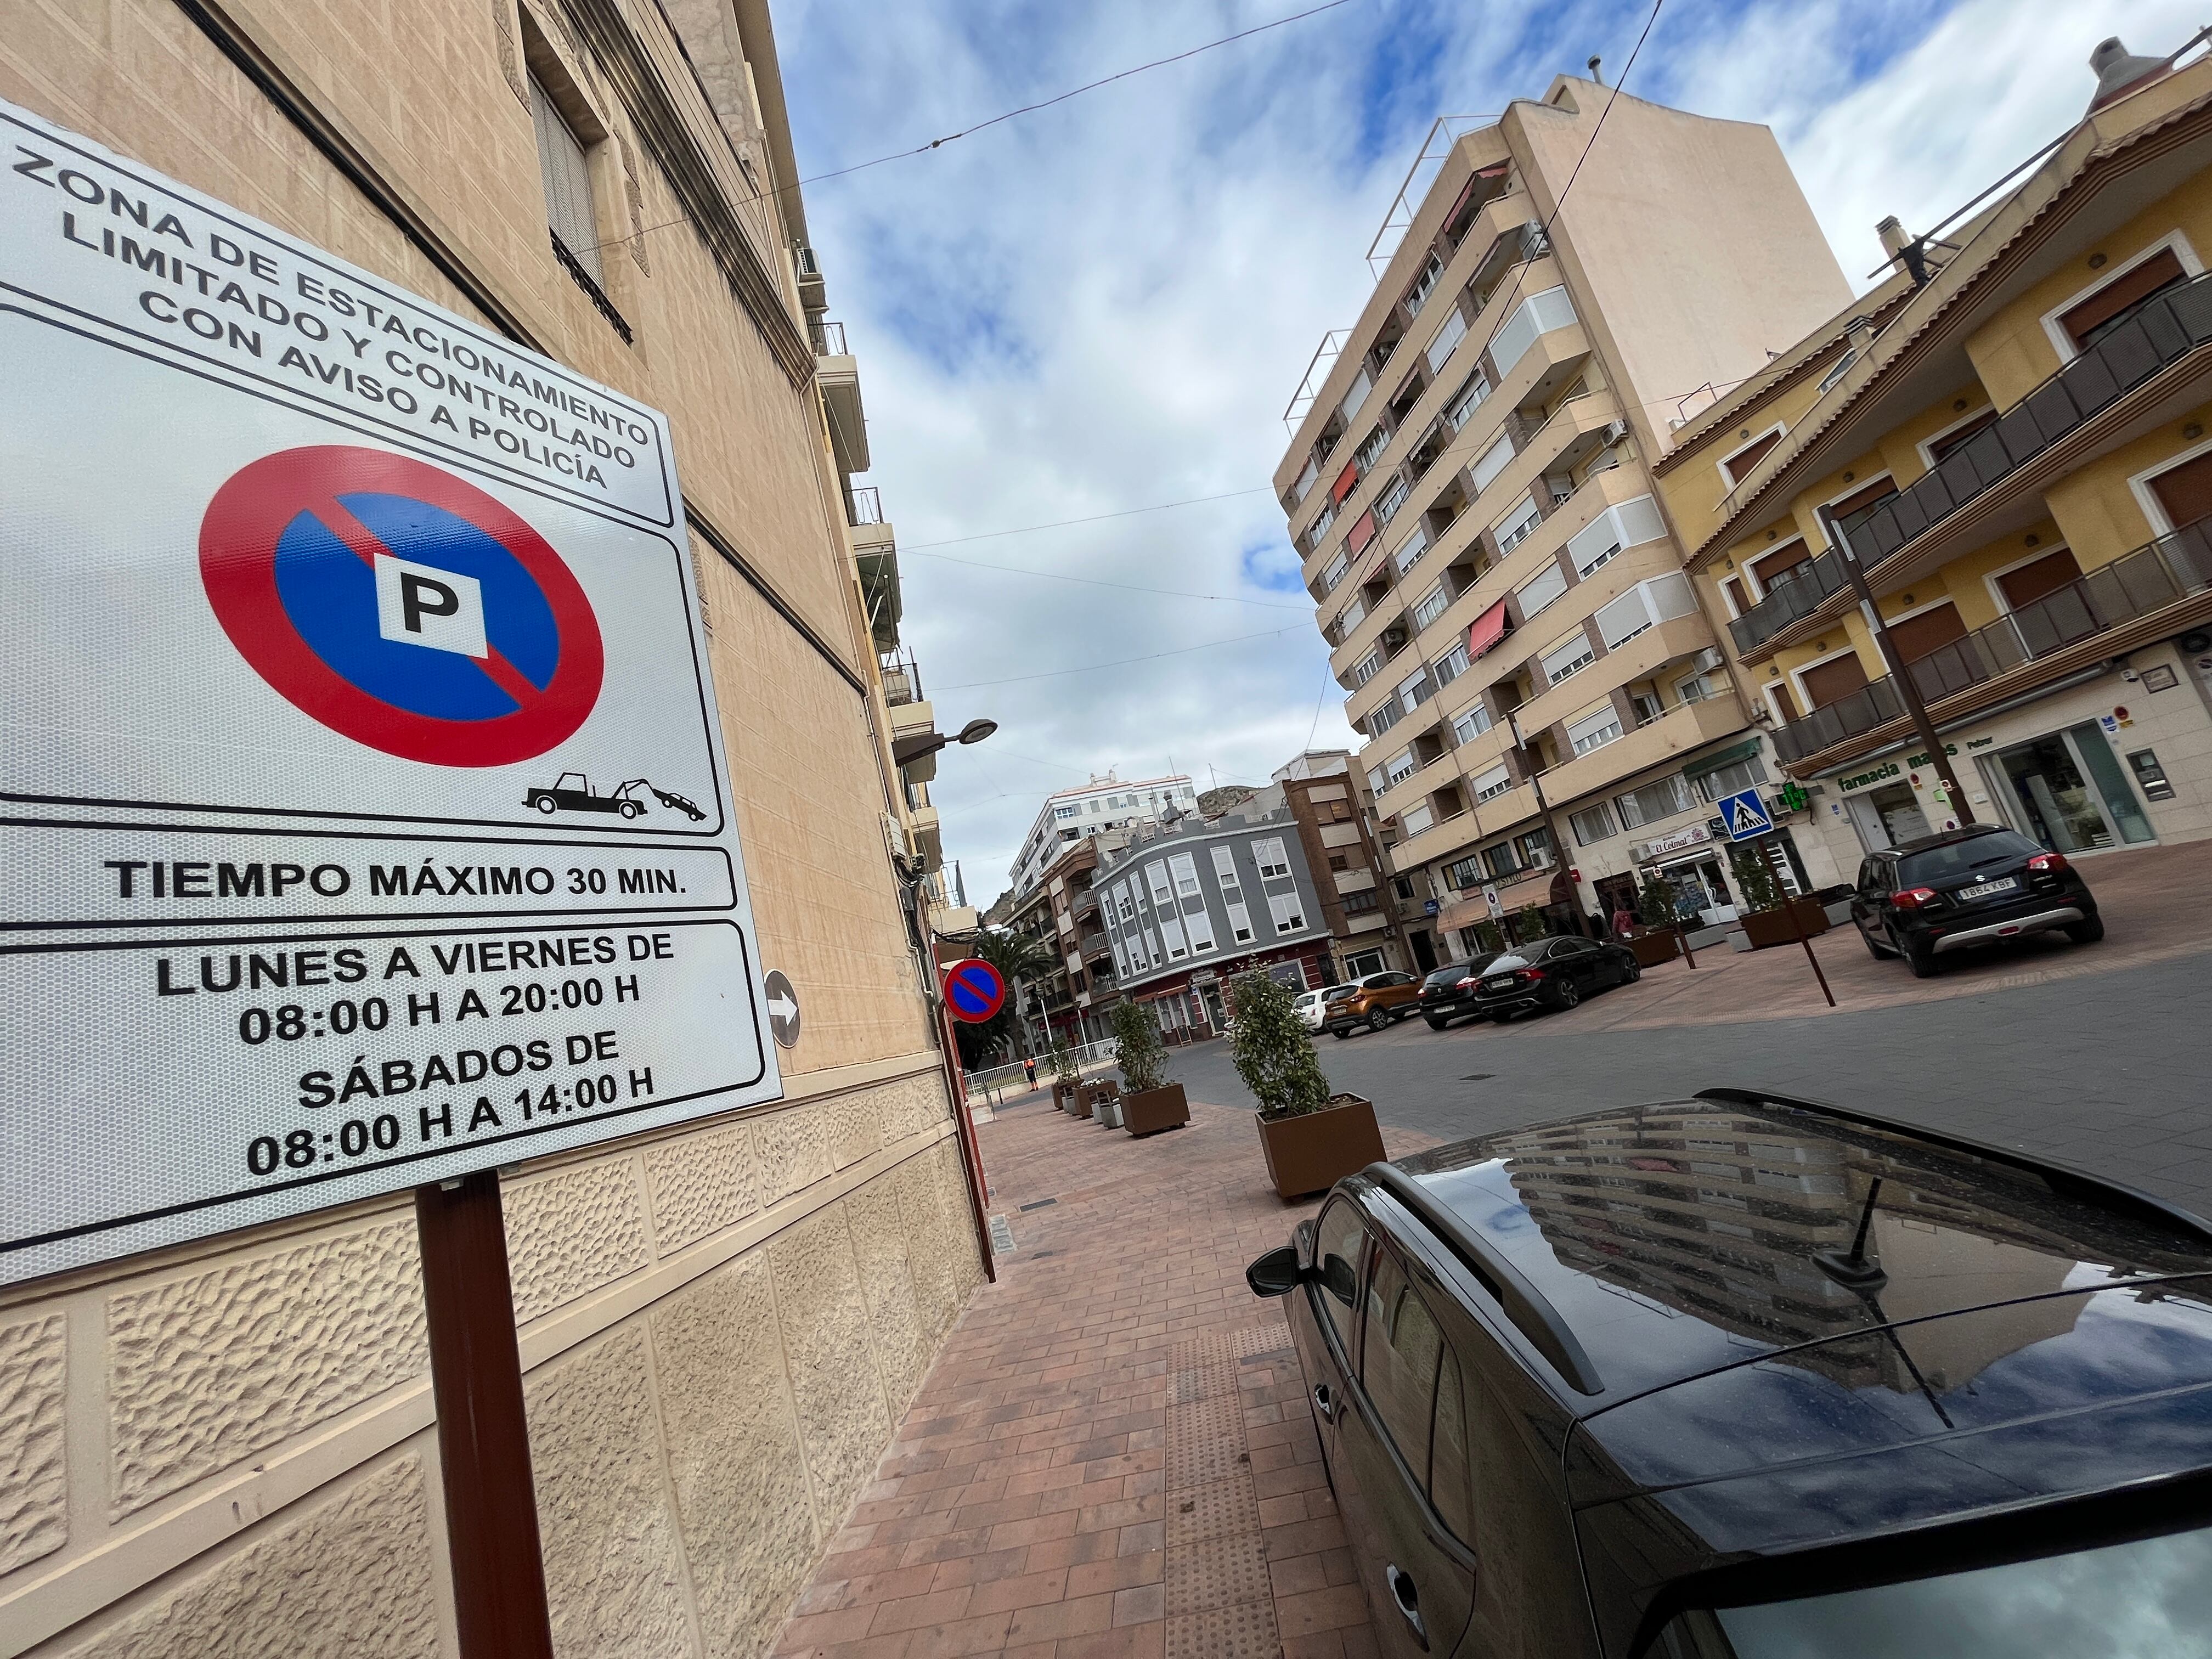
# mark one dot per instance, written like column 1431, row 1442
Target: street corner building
column 226, row 1443
column 1469, row 483
column 2010, row 436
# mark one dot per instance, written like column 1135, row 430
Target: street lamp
column 922, row 744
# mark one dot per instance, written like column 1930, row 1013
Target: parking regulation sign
column 367, row 818
column 974, row 990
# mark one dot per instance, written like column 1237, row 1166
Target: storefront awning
column 1486, row 630
column 1720, row 757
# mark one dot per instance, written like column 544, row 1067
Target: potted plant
column 1148, row 1102
column 1530, row 924
column 1309, row 1137
column 1065, row 1076
column 1759, row 903
column 1656, row 941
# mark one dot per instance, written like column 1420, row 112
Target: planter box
column 1079, row 1102
column 1765, row 927
column 1652, row 949
column 1103, row 1090
column 1109, row 1109
column 1063, row 1095
column 1310, row 1154
column 1148, row 1111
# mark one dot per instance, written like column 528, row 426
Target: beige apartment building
column 1468, row 485
column 229, row 1448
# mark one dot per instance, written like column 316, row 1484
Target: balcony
column 1796, row 593
column 839, row 376
column 1678, row 731
column 1094, row 944
column 2159, row 589
column 2085, row 408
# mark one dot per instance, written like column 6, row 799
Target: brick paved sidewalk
column 1112, row 1456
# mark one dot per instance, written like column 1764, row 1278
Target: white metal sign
column 364, row 805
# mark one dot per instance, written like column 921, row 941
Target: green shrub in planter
column 1756, row 888
column 1064, row 1068
column 1531, row 924
column 1655, row 902
column 1138, row 1049
column 1489, row 936
column 1273, row 1049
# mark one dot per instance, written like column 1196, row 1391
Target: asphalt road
column 2109, row 1071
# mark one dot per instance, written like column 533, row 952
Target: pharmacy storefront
column 2084, row 771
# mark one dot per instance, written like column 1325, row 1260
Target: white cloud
column 1107, row 304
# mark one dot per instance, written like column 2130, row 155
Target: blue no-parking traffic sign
column 974, row 990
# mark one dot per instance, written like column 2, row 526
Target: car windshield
column 2150, row 1598
column 1506, row 963
column 1962, row 857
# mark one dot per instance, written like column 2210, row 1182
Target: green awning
column 1720, row 757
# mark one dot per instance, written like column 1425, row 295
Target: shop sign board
column 1690, row 835
column 368, row 819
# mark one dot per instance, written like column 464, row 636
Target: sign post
column 1748, row 821
column 368, row 824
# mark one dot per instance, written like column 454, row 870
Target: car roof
column 1944, row 838
column 1655, row 1244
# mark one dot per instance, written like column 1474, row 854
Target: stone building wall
column 230, row 1448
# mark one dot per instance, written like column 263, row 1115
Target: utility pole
column 1907, row 690
column 1551, row 829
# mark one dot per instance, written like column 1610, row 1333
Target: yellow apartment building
column 229, row 1446
column 1540, row 693
column 2014, row 434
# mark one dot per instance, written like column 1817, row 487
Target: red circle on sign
column 240, row 536
column 974, row 990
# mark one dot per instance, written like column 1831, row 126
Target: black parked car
column 1449, row 992
column 1553, row 972
column 1925, row 898
column 1738, row 1377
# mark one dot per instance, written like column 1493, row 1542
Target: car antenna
column 1851, row 1269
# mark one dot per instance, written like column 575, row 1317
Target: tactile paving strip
column 1198, row 1513
column 1244, row 1631
column 1218, row 1572
column 1250, row 1341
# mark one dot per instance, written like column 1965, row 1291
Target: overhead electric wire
column 1026, row 109
column 1096, row 517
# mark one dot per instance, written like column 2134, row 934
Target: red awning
column 1486, row 630
column 1362, row 533
column 1344, row 484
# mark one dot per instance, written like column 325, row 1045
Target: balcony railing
column 2166, row 328
column 828, row 338
column 902, row 679
column 864, row 505
column 1094, row 944
column 1797, row 591
column 2134, row 584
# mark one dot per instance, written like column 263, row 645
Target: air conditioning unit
column 1394, row 637
column 1707, row 660
column 803, row 255
column 1615, row 431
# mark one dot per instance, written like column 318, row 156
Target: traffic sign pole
column 483, row 1439
column 1798, row 927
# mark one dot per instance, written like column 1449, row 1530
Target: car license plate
column 1982, row 889
column 1499, row 983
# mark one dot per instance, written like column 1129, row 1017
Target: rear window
column 2150, row 1598
column 1962, row 857
column 1451, row 976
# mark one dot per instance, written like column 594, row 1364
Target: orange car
column 1373, row 1000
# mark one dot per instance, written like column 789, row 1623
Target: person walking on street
column 1028, row 1070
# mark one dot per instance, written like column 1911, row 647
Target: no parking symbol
column 401, row 606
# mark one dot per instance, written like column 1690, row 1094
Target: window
column 1361, row 384
column 1570, row 656
column 1539, row 590
column 1268, row 855
column 1491, row 784
column 1645, row 605
column 1094, row 805
column 1067, row 811
column 1942, row 444
column 1404, row 887
column 1415, row 690
column 1415, row 819
column 1339, row 861
column 1534, row 847
column 1424, row 285
column 1538, row 314
column 1399, row 767
column 1431, row 606
column 1335, row 573
column 1490, row 463
column 1336, row 1253
column 1370, row 447
column 1841, row 367
column 1728, row 779
column 1465, row 873
column 1469, row 398
column 1350, row 617
column 1499, row 861
column 1392, row 498
column 1383, row 716
column 1366, row 668
column 1376, row 781
column 1696, row 687
column 1453, row 664
column 1629, row 524
column 568, row 181
column 1240, row 922
column 1319, row 527
column 1398, row 1362
column 1361, row 902
column 1594, row 731
column 1416, row 545
column 1288, row 915
column 1660, row 799
column 1471, row 722
column 1591, row 825
column 1510, row 532
column 1446, row 340
column 2110, row 306
column 1735, row 468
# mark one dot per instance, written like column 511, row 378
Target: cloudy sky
column 1105, row 305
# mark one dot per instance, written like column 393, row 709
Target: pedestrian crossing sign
column 1745, row 816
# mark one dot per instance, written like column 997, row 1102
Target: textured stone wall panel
column 955, row 1216
column 855, row 1129
column 701, row 1183
column 843, row 1422
column 350, row 1576
column 794, row 1150
column 614, row 1570
column 205, row 1371
column 901, row 1328
column 735, row 1458
column 916, row 1103
column 571, row 1233
column 33, row 1469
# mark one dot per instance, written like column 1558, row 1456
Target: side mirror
column 1275, row 1273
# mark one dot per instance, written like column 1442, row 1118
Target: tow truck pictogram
column 572, row 792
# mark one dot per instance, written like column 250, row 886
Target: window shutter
column 567, row 182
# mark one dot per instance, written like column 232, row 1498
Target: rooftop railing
column 828, row 338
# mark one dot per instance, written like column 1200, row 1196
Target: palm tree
column 1022, row 959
